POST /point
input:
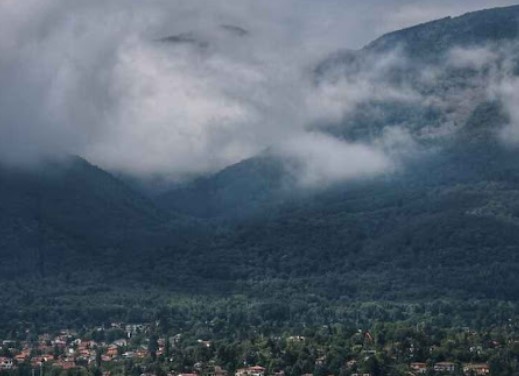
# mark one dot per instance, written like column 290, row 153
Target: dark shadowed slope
column 236, row 192
column 59, row 213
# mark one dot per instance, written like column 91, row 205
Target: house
column 44, row 337
column 494, row 344
column 141, row 353
column 251, row 371
column 204, row 343
column 257, row 371
column 87, row 345
column 112, row 351
column 210, row 369
column 476, row 349
column 6, row 363
column 59, row 343
column 134, row 328
column 476, row 369
column 46, row 349
column 85, row 353
column 215, row 371
column 176, row 338
column 444, row 367
column 120, row 343
column 22, row 357
column 38, row 361
column 320, row 361
column 419, row 368
column 64, row 364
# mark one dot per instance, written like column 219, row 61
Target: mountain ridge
column 473, row 28
column 444, row 226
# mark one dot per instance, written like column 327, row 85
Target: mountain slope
column 238, row 191
column 447, row 227
column 428, row 230
column 433, row 39
column 69, row 210
column 418, row 83
column 429, row 79
column 443, row 226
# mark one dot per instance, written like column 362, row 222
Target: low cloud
column 509, row 94
column 475, row 58
column 111, row 82
column 318, row 160
column 101, row 79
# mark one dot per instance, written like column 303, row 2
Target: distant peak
column 434, row 37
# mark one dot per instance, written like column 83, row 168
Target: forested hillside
column 78, row 244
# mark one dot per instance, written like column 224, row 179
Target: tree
column 153, row 346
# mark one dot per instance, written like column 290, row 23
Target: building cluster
column 69, row 350
column 469, row 369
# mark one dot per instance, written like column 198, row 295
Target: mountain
column 238, row 191
column 423, row 86
column 431, row 80
column 433, row 39
column 433, row 228
column 445, row 225
column 61, row 213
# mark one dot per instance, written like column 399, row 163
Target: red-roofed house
column 418, row 367
column 476, row 369
column 6, row 363
column 251, row 371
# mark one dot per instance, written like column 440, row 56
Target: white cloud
column 475, row 58
column 319, row 160
column 508, row 91
column 91, row 78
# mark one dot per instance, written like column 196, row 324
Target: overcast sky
column 89, row 77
